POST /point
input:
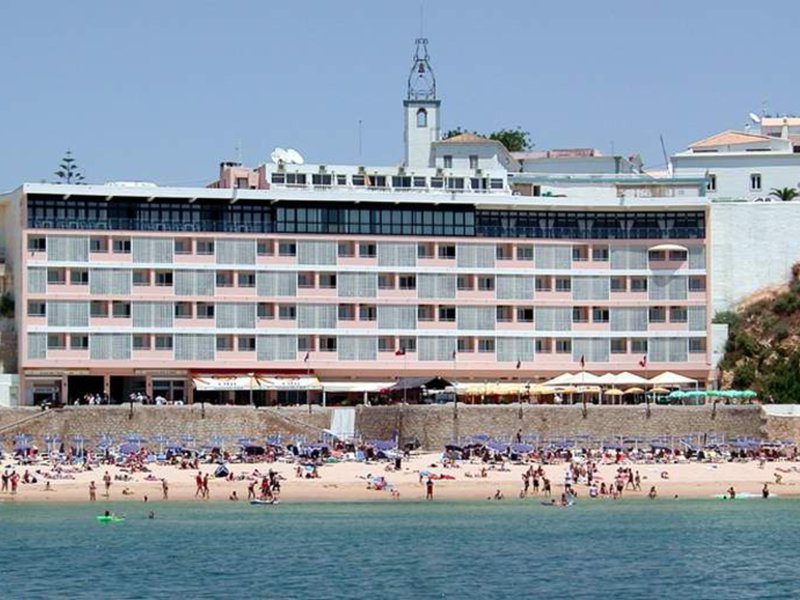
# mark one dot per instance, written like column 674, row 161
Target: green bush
column 780, row 331
column 787, row 303
column 744, row 375
column 7, row 306
column 727, row 317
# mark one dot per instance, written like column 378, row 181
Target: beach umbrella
column 634, row 390
column 659, row 390
column 749, row 394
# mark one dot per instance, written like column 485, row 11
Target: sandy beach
column 347, row 481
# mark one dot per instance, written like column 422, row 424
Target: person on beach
column 429, row 489
column 92, row 492
column 233, row 497
column 546, row 491
column 251, row 490
column 107, row 482
column 198, row 481
column 526, row 483
column 765, row 492
column 206, row 491
column 164, row 489
column 652, row 493
column 731, row 493
column 637, row 482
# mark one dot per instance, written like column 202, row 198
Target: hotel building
column 466, row 261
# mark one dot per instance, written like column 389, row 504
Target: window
column 447, row 313
column 79, row 277
column 140, row 341
column 265, row 248
column 183, row 310
column 525, row 314
column 79, row 342
column 265, row 310
column 465, row 345
column 638, row 284
column 287, row 312
column 697, row 345
column 543, row 346
column 563, row 346
column 367, row 312
column 639, row 346
column 224, row 279
column 37, row 243
column 341, row 180
column 599, row 315
column 163, row 342
column 98, row 308
column 505, row 314
column 327, row 281
column 678, row 255
column 205, row 247
column 658, row 314
column 600, row 253
column 246, row 343
column 224, row 343
column 563, row 284
column 580, row 253
column 98, row 245
column 121, row 246
column 55, row 341
column 619, row 346
column 485, row 345
column 525, row 252
column 385, row 344
column 205, row 310
column 542, row 284
column 424, row 250
column 36, row 308
column 697, row 284
column 247, row 279
column 409, row 344
column 121, row 310
column 422, row 118
column 141, row 277
column 473, row 161
column 755, row 182
column 305, row 280
column 163, row 278
column 347, row 312
column 437, row 182
column 321, row 179
column 305, row 343
column 385, row 281
column 287, row 249
column 183, row 246
column 367, row 250
column 580, row 314
column 407, row 282
column 345, row 249
column 657, row 255
column 327, row 344
column 56, row 276
column 465, row 283
column 295, row 178
column 486, row 283
column 678, row 314
column 504, row 252
column 358, row 180
column 448, row 161
column 425, row 312
column 447, row 251
column 711, row 183
column 618, row 284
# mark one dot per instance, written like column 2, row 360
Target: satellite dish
column 755, row 118
column 279, row 155
column 294, row 156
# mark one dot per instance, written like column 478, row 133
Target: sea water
column 664, row 548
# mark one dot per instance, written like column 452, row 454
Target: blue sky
column 164, row 90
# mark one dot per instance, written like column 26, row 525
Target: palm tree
column 786, row 194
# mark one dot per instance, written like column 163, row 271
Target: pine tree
column 68, row 171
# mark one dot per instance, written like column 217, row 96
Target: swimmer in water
column 151, row 515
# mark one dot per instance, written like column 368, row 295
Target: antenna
column 664, row 152
column 293, row 156
column 421, row 19
column 279, row 156
column 359, row 138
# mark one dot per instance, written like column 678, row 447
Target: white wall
column 753, row 246
column 418, row 140
column 9, row 390
column 733, row 172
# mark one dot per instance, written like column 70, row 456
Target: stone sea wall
column 432, row 426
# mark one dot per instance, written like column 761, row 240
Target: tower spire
column 421, row 80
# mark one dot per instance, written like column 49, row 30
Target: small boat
column 109, row 519
column 264, row 501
